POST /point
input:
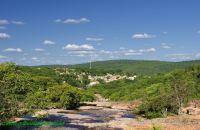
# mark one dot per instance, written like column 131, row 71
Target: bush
column 156, row 127
column 70, row 99
column 151, row 115
column 87, row 96
column 65, row 96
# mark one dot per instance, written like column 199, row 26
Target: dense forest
column 139, row 67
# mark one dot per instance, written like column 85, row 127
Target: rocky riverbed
column 104, row 115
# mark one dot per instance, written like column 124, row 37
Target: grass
column 32, row 123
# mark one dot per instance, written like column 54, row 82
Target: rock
column 41, row 114
column 195, row 104
column 191, row 111
column 18, row 119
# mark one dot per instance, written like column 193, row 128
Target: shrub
column 70, row 100
column 87, row 96
column 156, row 127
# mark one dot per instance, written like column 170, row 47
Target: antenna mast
column 91, row 62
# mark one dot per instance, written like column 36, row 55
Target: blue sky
column 34, row 32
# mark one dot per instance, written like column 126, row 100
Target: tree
column 183, row 86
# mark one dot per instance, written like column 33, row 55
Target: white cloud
column 83, row 50
column 198, row 32
column 165, row 32
column 48, row 42
column 75, row 47
column 165, row 46
column 4, row 36
column 81, row 53
column 72, row 21
column 94, row 39
column 76, row 21
column 151, row 50
column 132, row 54
column 147, row 50
column 34, row 58
column 122, row 48
column 58, row 20
column 105, row 52
column 13, row 50
column 2, row 27
column 39, row 49
column 3, row 22
column 2, row 57
column 143, row 36
column 179, row 56
column 17, row 22
column 197, row 55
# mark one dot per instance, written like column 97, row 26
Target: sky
column 40, row 32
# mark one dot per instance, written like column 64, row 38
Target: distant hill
column 133, row 66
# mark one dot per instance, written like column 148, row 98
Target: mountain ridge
column 132, row 66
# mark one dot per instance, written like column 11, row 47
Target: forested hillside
column 160, row 94
column 24, row 90
column 134, row 66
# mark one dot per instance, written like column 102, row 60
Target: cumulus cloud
column 2, row 57
column 75, row 47
column 197, row 55
column 147, row 50
column 72, row 21
column 76, row 21
column 4, row 36
column 139, row 52
column 165, row 46
column 83, row 50
column 81, row 53
column 105, row 52
column 48, row 42
column 165, row 32
column 122, row 48
column 3, row 22
column 13, row 50
column 34, row 58
column 39, row 49
column 133, row 53
column 94, row 39
column 17, row 22
column 58, row 20
column 179, row 56
column 143, row 36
